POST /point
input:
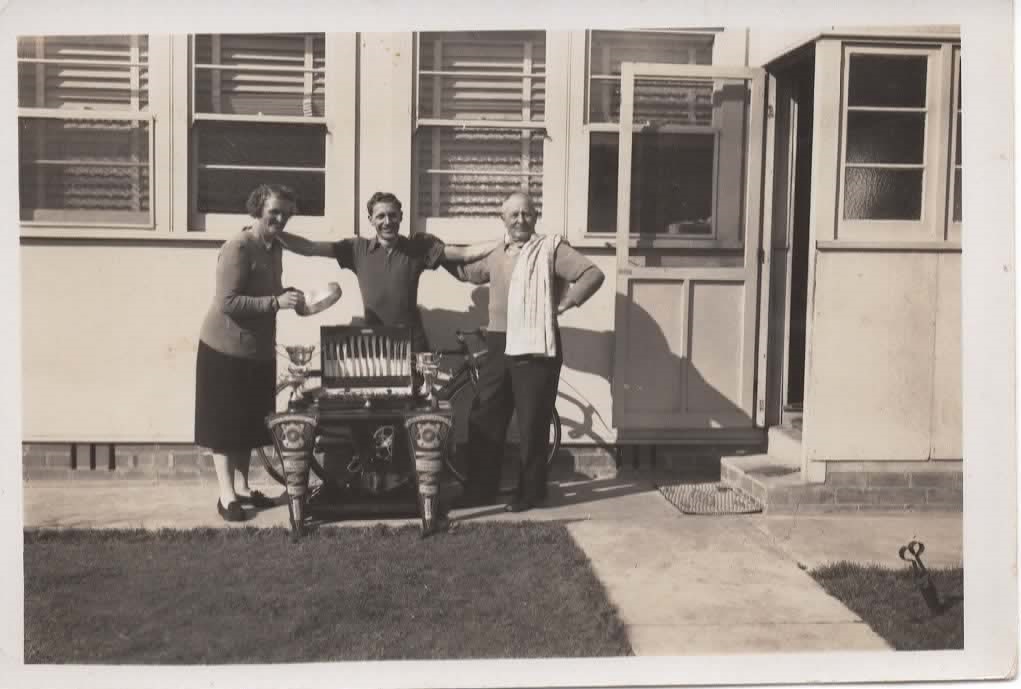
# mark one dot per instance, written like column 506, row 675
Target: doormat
column 708, row 498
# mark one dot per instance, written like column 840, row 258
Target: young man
column 522, row 372
column 389, row 264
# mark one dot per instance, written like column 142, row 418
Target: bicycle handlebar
column 449, row 352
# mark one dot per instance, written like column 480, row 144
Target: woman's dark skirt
column 233, row 396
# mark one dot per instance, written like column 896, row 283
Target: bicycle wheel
column 555, row 431
column 457, row 458
column 271, row 463
column 273, row 466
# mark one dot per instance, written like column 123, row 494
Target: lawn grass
column 250, row 595
column 888, row 601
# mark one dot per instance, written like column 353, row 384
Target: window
column 480, row 123
column 259, row 115
column 675, row 156
column 884, row 156
column 86, row 131
column 901, row 119
column 955, row 181
column 138, row 135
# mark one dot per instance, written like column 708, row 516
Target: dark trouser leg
column 534, row 381
column 543, row 421
column 487, row 423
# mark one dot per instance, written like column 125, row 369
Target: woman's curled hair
column 257, row 199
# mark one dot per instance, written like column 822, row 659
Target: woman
column 236, row 367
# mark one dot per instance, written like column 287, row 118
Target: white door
column 688, row 238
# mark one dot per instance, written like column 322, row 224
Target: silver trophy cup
column 298, row 371
column 428, row 365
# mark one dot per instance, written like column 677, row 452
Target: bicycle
column 464, row 380
column 460, row 389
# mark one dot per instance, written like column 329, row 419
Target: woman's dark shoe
column 232, row 512
column 519, row 506
column 257, row 499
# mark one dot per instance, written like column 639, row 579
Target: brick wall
column 900, row 486
column 156, row 462
column 915, row 490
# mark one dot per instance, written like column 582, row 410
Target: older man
column 389, row 264
column 522, row 371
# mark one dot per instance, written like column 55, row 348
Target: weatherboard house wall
column 108, row 391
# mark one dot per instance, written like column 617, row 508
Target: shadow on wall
column 658, row 380
column 586, row 351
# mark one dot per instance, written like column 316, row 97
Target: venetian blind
column 261, row 74
column 260, row 106
column 84, row 129
column 481, row 109
column 675, row 103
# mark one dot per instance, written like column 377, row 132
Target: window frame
column 953, row 231
column 226, row 223
column 577, row 224
column 170, row 105
column 473, row 229
column 156, row 116
column 930, row 225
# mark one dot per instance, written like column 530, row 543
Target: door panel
column 714, row 382
column 688, row 234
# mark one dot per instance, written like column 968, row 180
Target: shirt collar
column 507, row 241
column 374, row 242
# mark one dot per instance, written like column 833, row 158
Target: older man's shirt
column 496, row 269
column 388, row 279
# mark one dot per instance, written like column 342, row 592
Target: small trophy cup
column 429, row 366
column 297, row 372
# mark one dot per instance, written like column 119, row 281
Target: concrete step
column 785, row 445
column 762, row 477
column 779, row 486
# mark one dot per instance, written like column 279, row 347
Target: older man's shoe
column 519, row 506
column 232, row 512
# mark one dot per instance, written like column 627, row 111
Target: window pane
column 263, row 74
column 885, row 137
column 235, row 157
column 887, row 80
column 268, row 145
column 75, row 72
column 882, row 194
column 469, row 172
column 84, row 170
column 671, row 183
column 602, row 182
column 225, row 191
column 957, row 195
column 608, row 49
column 483, row 76
column 957, row 147
column 677, row 101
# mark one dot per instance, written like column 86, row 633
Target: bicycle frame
column 466, row 374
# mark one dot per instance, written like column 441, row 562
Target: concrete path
column 683, row 584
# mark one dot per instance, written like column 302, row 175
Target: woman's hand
column 290, row 299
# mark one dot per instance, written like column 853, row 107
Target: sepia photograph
column 584, row 352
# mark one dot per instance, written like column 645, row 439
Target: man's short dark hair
column 257, row 199
column 383, row 197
